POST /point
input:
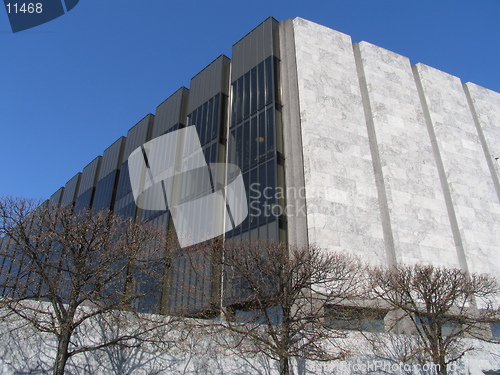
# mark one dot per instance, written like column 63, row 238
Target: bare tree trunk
column 442, row 370
column 284, row 366
column 284, row 359
column 62, row 353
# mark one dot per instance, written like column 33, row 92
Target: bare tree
column 62, row 270
column 275, row 298
column 442, row 306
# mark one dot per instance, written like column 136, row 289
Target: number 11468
column 24, row 7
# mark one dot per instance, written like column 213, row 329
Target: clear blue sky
column 71, row 87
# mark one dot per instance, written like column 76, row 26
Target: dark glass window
column 151, row 287
column 261, row 138
column 239, row 99
column 246, row 145
column 194, row 119
column 239, row 146
column 246, row 95
column 495, row 329
column 206, row 119
column 232, row 151
column 269, row 81
column 270, row 138
column 450, row 327
column 254, row 141
column 173, row 128
column 353, row 318
column 124, row 186
column 209, row 120
column 252, row 146
column 127, row 210
column 216, row 122
column 261, row 96
column 206, row 153
column 84, row 201
column 271, row 315
column 213, row 156
column 203, row 124
column 210, row 115
column 104, row 191
column 253, row 90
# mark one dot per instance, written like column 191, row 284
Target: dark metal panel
column 104, row 191
column 209, row 82
column 112, row 158
column 70, row 190
column 55, row 199
column 89, row 176
column 254, row 48
column 172, row 111
column 138, row 135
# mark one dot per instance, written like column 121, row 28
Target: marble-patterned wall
column 475, row 203
column 341, row 196
column 415, row 201
column 399, row 161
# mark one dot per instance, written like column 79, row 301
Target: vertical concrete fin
column 442, row 173
column 292, row 139
column 482, row 139
column 377, row 166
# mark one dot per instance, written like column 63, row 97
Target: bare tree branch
column 442, row 306
column 62, row 269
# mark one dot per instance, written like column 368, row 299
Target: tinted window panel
column 261, row 139
column 124, row 186
column 239, row 100
column 104, row 192
column 254, row 141
column 246, row 95
column 239, row 147
column 84, row 201
column 269, row 81
column 253, row 91
column 261, row 96
column 246, row 144
column 203, row 124
column 215, row 124
column 270, row 130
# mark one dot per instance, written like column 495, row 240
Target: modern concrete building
column 345, row 146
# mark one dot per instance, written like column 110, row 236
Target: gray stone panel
column 55, row 199
column 472, row 192
column 112, row 158
column 254, row 48
column 209, row 82
column 69, row 193
column 89, row 175
column 172, row 111
column 341, row 195
column 415, row 201
column 139, row 134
